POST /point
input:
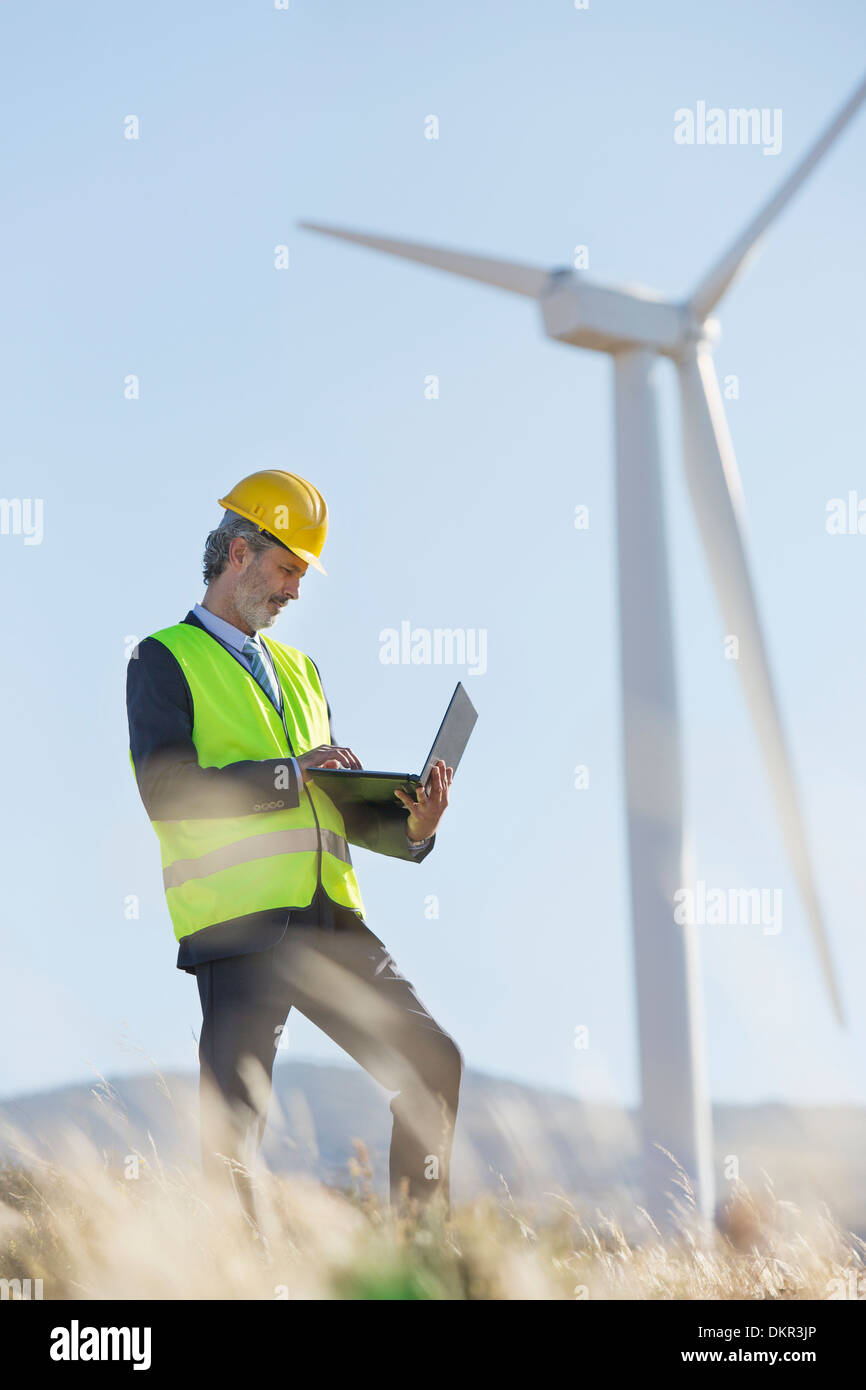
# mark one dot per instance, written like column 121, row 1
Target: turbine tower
column 636, row 328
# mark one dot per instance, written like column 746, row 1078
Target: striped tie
column 253, row 653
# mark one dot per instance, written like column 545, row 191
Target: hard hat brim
column 307, row 555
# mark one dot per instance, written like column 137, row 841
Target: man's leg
column 244, row 1007
column 346, row 983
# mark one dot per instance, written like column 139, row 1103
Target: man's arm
column 172, row 784
column 381, row 829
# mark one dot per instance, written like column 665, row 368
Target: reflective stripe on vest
column 217, row 869
column 255, row 847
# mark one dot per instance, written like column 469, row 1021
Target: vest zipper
column 303, row 787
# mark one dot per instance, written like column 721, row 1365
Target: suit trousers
column 341, row 977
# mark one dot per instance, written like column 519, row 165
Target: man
column 224, row 726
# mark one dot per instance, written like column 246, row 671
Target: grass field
column 90, row 1229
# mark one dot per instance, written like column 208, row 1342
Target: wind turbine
column 637, row 327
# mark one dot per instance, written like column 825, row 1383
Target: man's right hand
column 327, row 756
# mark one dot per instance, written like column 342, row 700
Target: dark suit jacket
column 174, row 787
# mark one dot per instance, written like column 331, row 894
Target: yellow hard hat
column 287, row 507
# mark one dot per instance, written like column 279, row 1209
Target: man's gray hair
column 216, row 547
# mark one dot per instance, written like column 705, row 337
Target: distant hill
column 534, row 1140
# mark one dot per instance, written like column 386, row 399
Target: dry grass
column 88, row 1231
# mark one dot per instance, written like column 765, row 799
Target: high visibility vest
column 217, row 869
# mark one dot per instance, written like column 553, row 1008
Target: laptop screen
column 454, row 732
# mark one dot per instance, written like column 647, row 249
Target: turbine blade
column 716, row 494
column 528, row 280
column 714, row 284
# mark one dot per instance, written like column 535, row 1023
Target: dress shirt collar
column 226, row 632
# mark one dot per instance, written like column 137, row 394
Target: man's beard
column 251, row 601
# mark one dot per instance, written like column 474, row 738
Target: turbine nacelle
column 577, row 311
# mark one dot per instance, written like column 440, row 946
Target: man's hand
column 426, row 813
column 327, row 756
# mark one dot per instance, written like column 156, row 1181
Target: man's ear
column 238, row 551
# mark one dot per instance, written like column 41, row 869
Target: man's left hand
column 426, row 812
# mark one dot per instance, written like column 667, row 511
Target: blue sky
column 155, row 257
